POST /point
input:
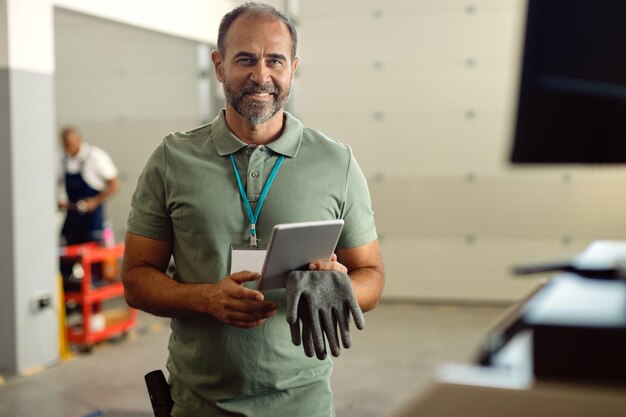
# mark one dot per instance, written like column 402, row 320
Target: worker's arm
column 147, row 288
column 364, row 265
column 111, row 188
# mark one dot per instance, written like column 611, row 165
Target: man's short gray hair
column 255, row 9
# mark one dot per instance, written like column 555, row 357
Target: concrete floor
column 389, row 360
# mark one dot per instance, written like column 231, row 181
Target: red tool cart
column 91, row 278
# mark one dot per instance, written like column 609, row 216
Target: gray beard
column 255, row 112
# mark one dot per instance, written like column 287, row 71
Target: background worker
column 88, row 179
column 231, row 350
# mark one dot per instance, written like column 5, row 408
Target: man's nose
column 260, row 73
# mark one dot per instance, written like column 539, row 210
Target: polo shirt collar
column 287, row 144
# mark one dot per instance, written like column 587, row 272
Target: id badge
column 245, row 257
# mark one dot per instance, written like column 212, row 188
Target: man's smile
column 262, row 97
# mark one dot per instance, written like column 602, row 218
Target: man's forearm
column 110, row 189
column 368, row 286
column 150, row 290
column 228, row 300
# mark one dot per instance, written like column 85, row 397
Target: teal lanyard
column 253, row 217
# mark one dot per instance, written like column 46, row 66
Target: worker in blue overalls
column 90, row 178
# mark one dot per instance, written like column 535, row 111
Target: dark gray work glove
column 321, row 301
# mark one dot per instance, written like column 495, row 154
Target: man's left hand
column 331, row 265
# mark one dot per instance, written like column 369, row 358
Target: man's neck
column 255, row 134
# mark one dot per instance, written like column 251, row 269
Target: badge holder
column 245, row 257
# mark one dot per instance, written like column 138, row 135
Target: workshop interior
column 491, row 134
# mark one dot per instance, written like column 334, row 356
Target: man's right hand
column 146, row 287
column 232, row 303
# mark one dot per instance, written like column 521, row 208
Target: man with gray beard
column 200, row 195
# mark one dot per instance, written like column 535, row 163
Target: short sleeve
column 105, row 167
column 359, row 228
column 149, row 215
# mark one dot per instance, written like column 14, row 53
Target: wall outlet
column 41, row 302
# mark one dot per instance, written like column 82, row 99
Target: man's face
column 257, row 69
column 71, row 143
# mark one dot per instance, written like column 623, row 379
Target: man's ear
column 218, row 64
column 294, row 64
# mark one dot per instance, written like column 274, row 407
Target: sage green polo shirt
column 188, row 193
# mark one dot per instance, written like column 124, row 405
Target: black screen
column 572, row 99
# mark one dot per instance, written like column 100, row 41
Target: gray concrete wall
column 28, row 241
column 7, row 287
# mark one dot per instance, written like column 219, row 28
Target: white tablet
column 292, row 246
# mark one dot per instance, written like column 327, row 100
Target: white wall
column 424, row 91
column 191, row 19
column 31, row 21
column 29, row 26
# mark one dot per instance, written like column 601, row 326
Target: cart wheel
column 86, row 348
column 118, row 338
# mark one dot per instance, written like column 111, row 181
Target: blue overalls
column 81, row 227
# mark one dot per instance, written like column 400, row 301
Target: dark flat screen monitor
column 572, row 96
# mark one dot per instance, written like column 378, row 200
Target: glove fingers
column 357, row 314
column 295, row 333
column 318, row 336
column 344, row 327
column 294, row 292
column 319, row 307
column 330, row 329
column 321, row 354
column 307, row 339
